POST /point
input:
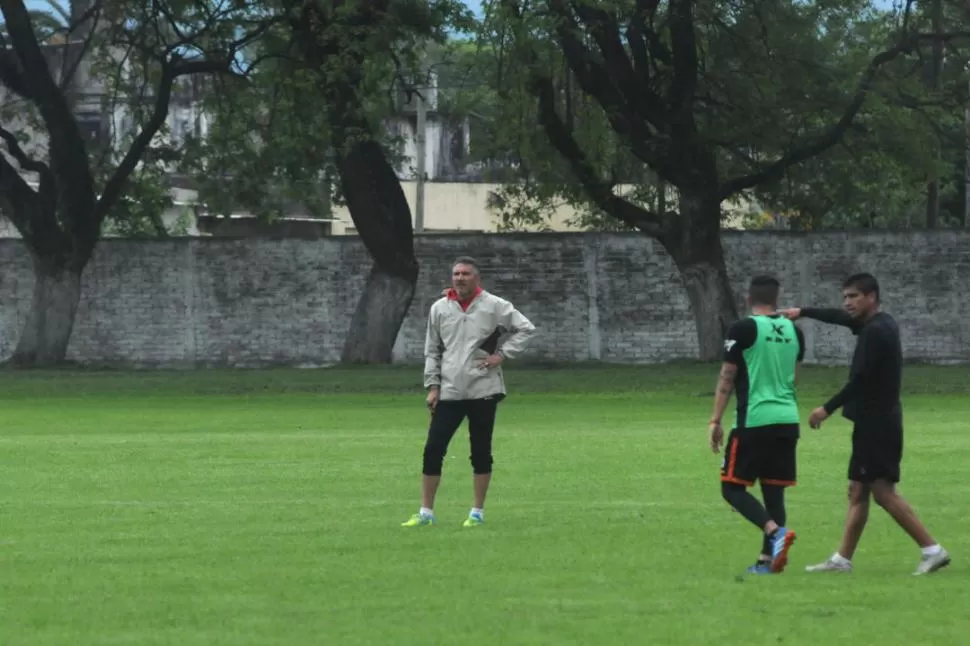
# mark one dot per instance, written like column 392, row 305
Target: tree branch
column 17, row 199
column 828, row 139
column 68, row 153
column 605, row 29
column 12, row 74
column 637, row 122
column 22, row 158
column 599, row 192
column 683, row 47
column 31, row 59
column 111, row 105
column 13, row 184
column 170, row 72
column 173, row 67
column 639, row 35
column 92, row 13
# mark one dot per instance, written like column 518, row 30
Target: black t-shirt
column 875, row 377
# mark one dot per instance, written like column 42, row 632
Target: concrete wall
column 612, row 297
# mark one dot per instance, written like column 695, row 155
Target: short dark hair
column 466, row 260
column 764, row 290
column 864, row 282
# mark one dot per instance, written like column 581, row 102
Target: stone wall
column 610, row 297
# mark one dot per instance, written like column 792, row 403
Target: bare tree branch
column 598, row 80
column 68, row 153
column 683, row 47
column 92, row 13
column 17, row 152
column 13, row 184
column 12, row 74
column 163, row 95
column 112, row 104
column 599, row 191
column 19, row 202
column 638, row 36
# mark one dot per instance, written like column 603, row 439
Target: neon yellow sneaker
column 474, row 520
column 418, row 520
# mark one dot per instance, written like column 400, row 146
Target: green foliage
column 876, row 176
column 512, row 150
column 147, row 198
column 271, row 140
column 267, row 146
column 125, row 48
column 772, row 77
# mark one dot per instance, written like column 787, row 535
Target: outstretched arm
column 825, row 315
column 830, row 315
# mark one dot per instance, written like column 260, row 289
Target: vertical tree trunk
column 328, row 34
column 933, row 185
column 695, row 246
column 50, row 322
column 712, row 303
column 382, row 216
column 378, row 318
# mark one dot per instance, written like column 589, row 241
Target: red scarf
column 453, row 296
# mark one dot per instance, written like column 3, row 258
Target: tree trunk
column 936, row 70
column 695, row 246
column 378, row 318
column 47, row 332
column 328, row 34
column 382, row 216
column 711, row 301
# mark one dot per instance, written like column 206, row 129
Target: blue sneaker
column 781, row 543
column 761, row 567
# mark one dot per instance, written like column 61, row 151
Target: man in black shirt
column 871, row 400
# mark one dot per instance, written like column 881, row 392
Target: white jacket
column 452, row 349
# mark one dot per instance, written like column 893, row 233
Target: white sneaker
column 932, row 563
column 830, row 565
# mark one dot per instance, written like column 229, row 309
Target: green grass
column 263, row 508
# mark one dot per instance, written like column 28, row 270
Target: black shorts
column 445, row 420
column 877, row 449
column 765, row 453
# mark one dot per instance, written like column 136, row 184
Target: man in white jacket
column 463, row 377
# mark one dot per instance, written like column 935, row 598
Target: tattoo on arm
column 726, row 379
column 725, row 384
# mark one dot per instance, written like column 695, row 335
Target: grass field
column 264, row 508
